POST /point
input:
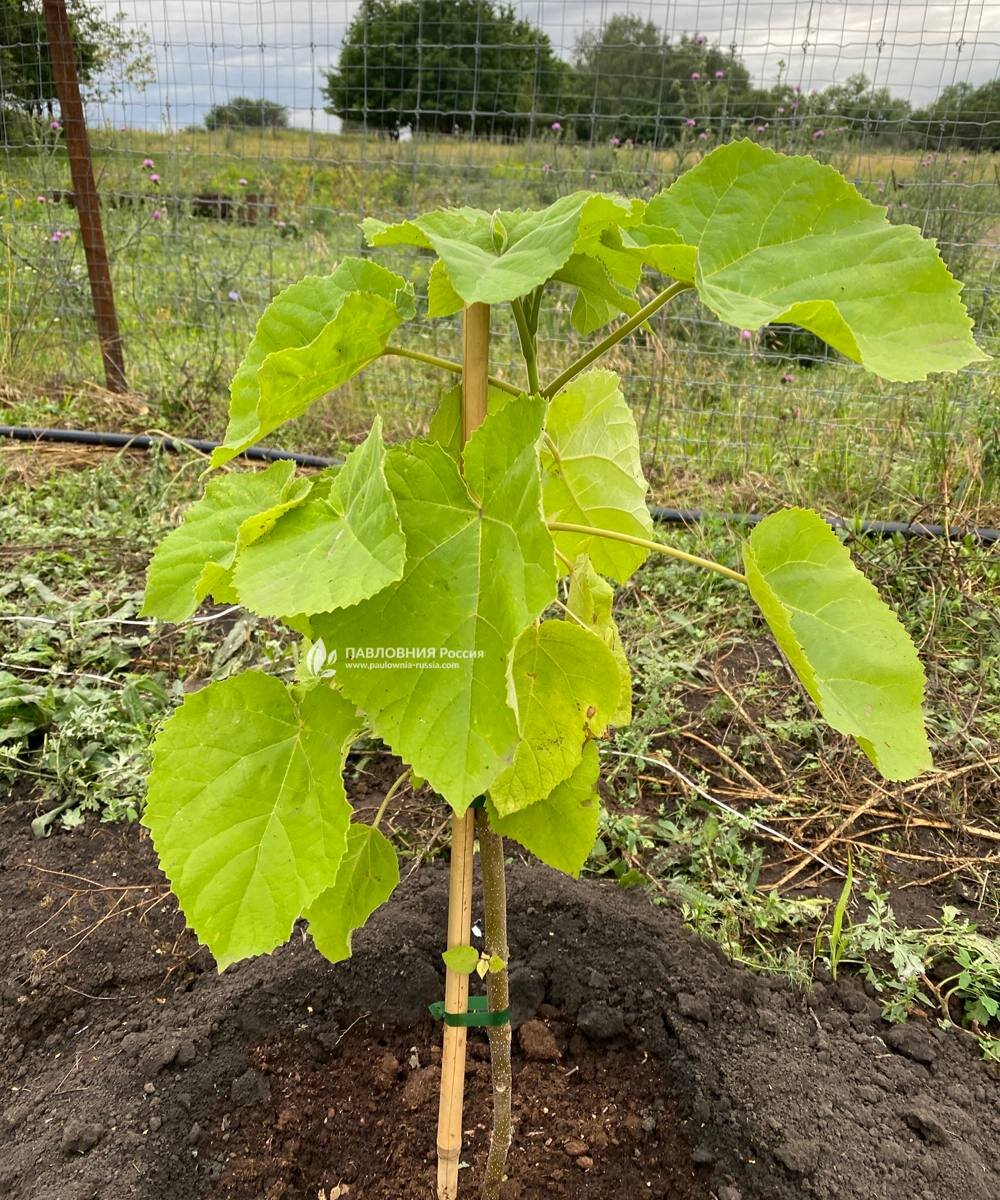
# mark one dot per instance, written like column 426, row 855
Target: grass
column 724, row 424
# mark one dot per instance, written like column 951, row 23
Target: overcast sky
column 208, row 51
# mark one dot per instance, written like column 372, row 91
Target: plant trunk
column 498, row 994
column 475, row 386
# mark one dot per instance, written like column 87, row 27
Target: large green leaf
column 331, row 551
column 427, row 659
column 846, row 645
column 195, row 559
column 367, row 877
column 590, row 599
column 502, row 256
column 562, row 828
column 311, row 338
column 567, row 684
column 789, row 239
column 599, row 299
column 593, row 475
column 247, row 807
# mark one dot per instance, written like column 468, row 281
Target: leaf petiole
column 394, row 787
column 614, row 337
column 527, row 344
column 447, row 364
column 659, row 547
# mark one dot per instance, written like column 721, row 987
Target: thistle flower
column 820, row 133
column 243, row 182
column 690, row 122
column 235, row 296
column 55, row 126
column 745, row 335
column 720, row 74
column 616, row 141
column 154, row 178
column 556, row 127
column 702, row 137
column 147, row 164
column 157, row 215
column 696, row 75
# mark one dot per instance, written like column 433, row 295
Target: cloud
column 208, row 51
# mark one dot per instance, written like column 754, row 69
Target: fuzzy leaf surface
column 479, row 569
column 496, row 257
column 247, row 807
column 789, row 239
column 567, row 682
column 592, row 473
column 331, row 551
column 195, row 559
column 591, row 599
column 367, row 877
column 844, row 642
column 312, row 337
column 561, row 829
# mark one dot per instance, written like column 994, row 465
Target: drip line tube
column 662, row 516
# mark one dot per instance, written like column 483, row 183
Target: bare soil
column 647, row 1065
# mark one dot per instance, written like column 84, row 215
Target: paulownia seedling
column 454, row 592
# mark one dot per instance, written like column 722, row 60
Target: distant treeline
column 474, row 66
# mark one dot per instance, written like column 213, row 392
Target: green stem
column 498, row 993
column 614, row 337
column 393, row 789
column 446, row 364
column 646, row 544
column 527, row 346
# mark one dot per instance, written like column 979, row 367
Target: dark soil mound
column 649, row 1066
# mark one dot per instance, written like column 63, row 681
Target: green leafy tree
column 244, row 113
column 861, row 108
column 444, row 65
column 630, row 81
column 491, row 550
column 962, row 115
column 100, row 43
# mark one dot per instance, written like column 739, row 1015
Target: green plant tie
column 477, row 1016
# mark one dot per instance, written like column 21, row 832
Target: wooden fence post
column 85, row 191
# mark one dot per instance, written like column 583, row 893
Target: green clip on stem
column 477, row 1016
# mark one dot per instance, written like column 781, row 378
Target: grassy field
column 724, row 423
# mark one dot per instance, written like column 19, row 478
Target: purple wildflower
column 699, row 39
column 235, row 296
column 690, row 122
column 148, row 164
column 745, row 335
column 616, row 141
column 702, row 137
column 820, row 133
column 42, row 199
column 157, row 215
column 696, row 75
column 55, row 126
column 557, row 127
column 720, row 74
column 243, row 182
column 154, row 178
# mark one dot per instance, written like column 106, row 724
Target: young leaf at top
column 846, row 645
column 247, row 807
column 562, row 828
column 331, row 551
column 590, row 599
column 195, row 559
column 312, row 337
column 427, row 659
column 592, row 473
column 496, row 257
column 566, row 681
column 367, row 877
column 789, row 239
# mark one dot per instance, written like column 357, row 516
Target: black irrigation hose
column 663, row 516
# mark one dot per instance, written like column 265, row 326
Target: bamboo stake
column 475, row 369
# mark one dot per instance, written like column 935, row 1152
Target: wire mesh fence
column 237, row 145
